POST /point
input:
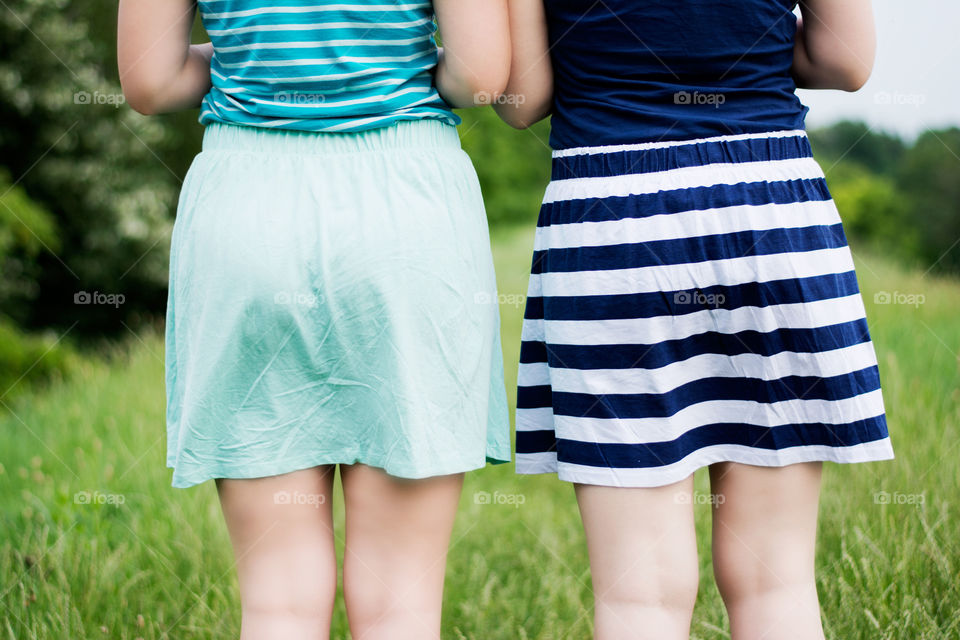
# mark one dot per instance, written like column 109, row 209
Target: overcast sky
column 916, row 81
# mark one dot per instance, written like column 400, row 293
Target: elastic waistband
column 424, row 133
column 653, row 157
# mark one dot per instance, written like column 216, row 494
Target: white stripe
column 320, row 106
column 707, row 175
column 321, row 43
column 669, row 474
column 688, row 224
column 801, row 315
column 644, row 146
column 835, row 413
column 301, row 62
column 316, row 9
column 600, row 382
column 318, row 25
column 685, row 276
column 300, row 80
column 540, row 462
column 647, row 430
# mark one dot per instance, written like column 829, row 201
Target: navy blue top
column 629, row 71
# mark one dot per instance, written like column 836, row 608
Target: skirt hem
column 875, row 451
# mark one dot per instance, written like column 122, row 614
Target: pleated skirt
column 332, row 300
column 693, row 302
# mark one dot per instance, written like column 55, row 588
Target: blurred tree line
column 88, row 187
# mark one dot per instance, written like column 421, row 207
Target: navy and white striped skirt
column 693, row 302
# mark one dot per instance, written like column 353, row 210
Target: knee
column 672, row 590
column 756, row 580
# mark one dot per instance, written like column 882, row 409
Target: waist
column 657, row 157
column 402, row 135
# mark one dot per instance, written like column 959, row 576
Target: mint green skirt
column 332, row 300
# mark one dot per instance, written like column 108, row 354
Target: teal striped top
column 321, row 66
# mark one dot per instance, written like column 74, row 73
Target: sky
column 916, row 81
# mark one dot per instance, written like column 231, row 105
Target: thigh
column 281, row 528
column 764, row 542
column 643, row 558
column 397, row 534
column 765, row 521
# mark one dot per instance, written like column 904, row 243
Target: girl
column 692, row 301
column 328, row 268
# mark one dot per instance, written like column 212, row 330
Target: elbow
column 854, row 79
column 487, row 88
column 143, row 97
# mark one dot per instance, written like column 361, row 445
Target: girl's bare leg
column 397, row 534
column 281, row 528
column 764, row 534
column 643, row 560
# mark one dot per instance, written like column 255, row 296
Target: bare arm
column 835, row 44
column 160, row 70
column 530, row 88
column 475, row 59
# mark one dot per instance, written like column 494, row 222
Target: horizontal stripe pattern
column 323, row 66
column 692, row 302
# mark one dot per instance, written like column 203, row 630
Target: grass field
column 159, row 564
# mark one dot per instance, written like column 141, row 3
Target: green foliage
column 901, row 199
column 28, row 360
column 856, row 143
column 26, row 229
column 513, row 166
column 89, row 160
column 929, row 179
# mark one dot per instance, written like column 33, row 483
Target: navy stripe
column 660, row 354
column 721, row 246
column 618, row 163
column 536, row 441
column 675, row 303
column 681, row 200
column 661, row 405
column 655, row 454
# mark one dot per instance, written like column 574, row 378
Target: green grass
column 160, row 566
